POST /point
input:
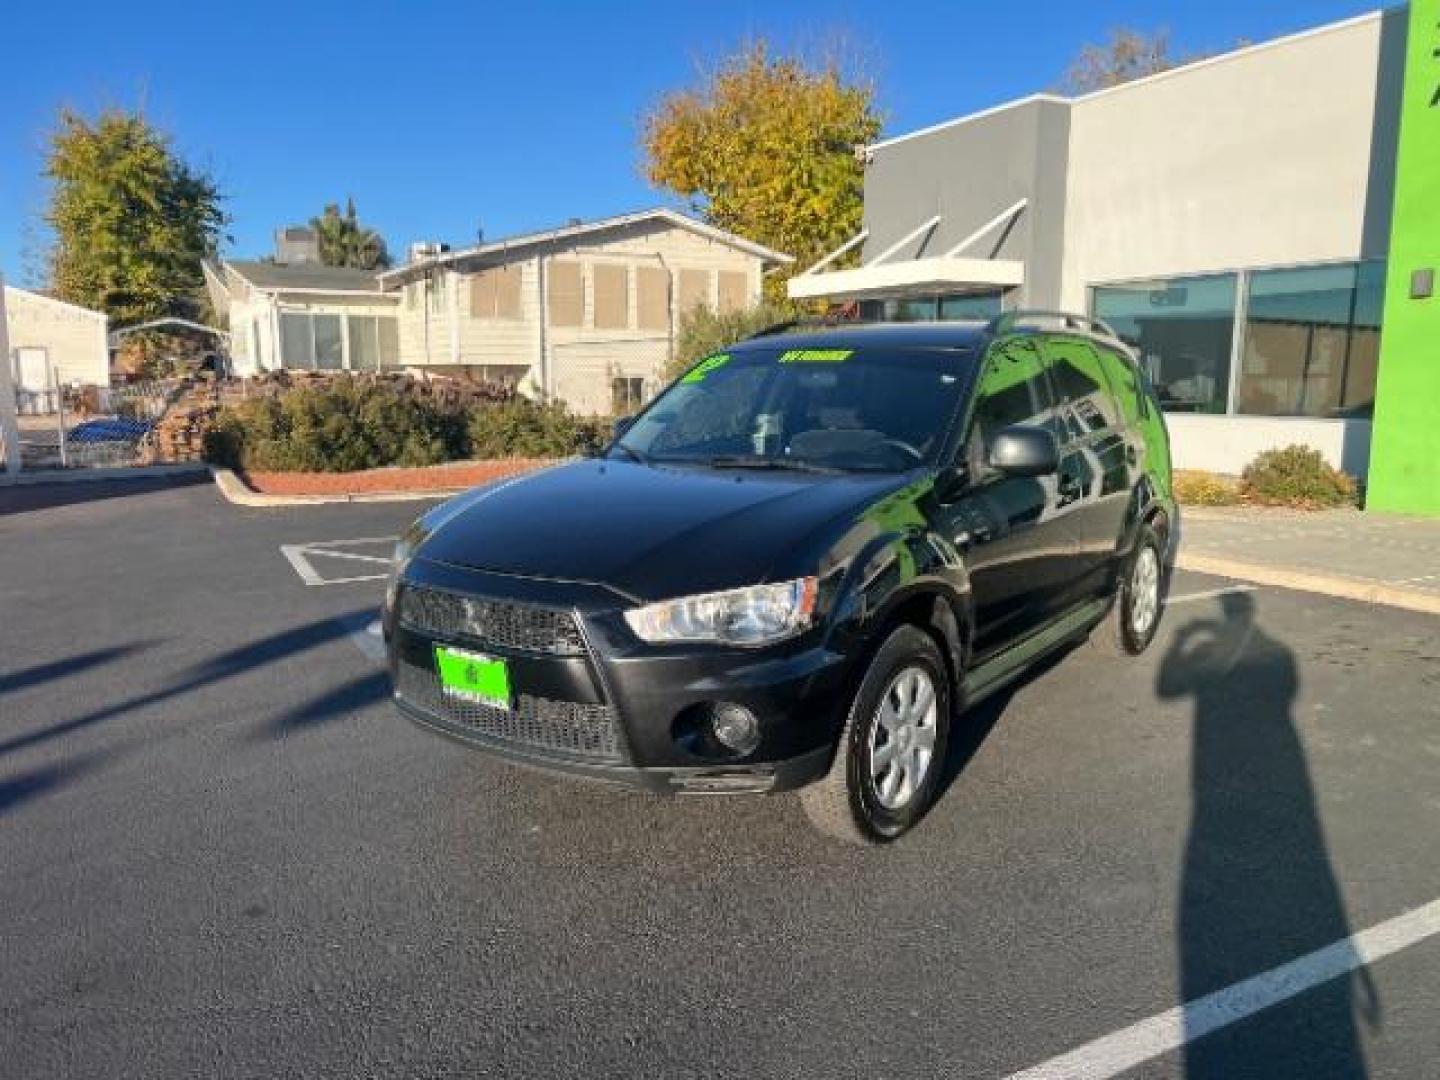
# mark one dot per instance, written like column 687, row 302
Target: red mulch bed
column 455, row 476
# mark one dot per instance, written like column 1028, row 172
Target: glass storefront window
column 1182, row 329
column 984, row 306
column 1312, row 341
column 948, row 308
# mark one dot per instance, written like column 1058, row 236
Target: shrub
column 524, row 428
column 1297, row 476
column 340, row 425
column 1194, row 488
column 703, row 331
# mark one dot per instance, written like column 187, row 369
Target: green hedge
column 344, row 424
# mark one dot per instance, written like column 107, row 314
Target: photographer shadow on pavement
column 1258, row 889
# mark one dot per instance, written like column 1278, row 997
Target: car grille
column 566, row 728
column 494, row 622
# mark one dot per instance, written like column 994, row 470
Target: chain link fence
column 94, row 427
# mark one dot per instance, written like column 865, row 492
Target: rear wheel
column 892, row 748
column 1134, row 617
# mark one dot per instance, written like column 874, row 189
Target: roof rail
column 1010, row 320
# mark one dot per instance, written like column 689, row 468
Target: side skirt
column 1009, row 665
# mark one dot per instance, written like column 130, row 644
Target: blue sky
column 443, row 118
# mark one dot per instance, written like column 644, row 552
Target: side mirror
column 623, row 424
column 1025, row 451
column 951, row 483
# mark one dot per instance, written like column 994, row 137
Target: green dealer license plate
column 474, row 677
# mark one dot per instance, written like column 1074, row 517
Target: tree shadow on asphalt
column 1257, row 888
column 25, row 786
column 348, row 698
column 230, row 664
column 31, row 497
column 71, row 665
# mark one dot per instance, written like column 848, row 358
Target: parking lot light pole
column 9, row 428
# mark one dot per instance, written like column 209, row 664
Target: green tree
column 132, row 221
column 766, row 147
column 1126, row 55
column 344, row 241
column 703, row 331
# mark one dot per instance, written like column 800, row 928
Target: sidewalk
column 1371, row 557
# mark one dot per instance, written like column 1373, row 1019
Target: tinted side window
column 1126, row 381
column 1082, row 387
column 1013, row 390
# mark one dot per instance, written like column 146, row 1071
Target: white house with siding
column 304, row 315
column 54, row 342
column 586, row 313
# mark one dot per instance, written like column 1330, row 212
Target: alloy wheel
column 902, row 738
column 1145, row 592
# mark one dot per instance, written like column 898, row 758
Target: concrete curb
column 238, row 492
column 90, row 476
column 1365, row 590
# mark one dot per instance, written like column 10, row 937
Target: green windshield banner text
column 704, row 367
column 816, row 356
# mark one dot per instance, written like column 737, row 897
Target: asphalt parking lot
column 222, row 852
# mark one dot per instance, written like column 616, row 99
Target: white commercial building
column 1230, row 218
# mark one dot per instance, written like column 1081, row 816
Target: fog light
column 735, row 727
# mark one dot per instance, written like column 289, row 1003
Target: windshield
column 881, row 409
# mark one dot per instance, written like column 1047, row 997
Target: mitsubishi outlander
column 800, row 565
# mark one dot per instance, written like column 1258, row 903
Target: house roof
column 50, row 301
column 520, row 241
column 312, row 277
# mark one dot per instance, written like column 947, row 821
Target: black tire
column 1122, row 632
column 848, row 803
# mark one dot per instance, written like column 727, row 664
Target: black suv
column 799, row 565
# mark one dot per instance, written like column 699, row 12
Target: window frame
column 1239, row 324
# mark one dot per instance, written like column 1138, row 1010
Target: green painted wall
column 1405, row 452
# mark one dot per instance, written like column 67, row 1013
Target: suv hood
column 649, row 531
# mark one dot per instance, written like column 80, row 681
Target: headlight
column 757, row 615
column 404, row 552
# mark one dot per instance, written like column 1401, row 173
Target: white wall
column 73, row 337
column 1226, row 444
column 1269, row 156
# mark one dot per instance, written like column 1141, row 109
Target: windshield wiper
column 738, row 461
column 633, row 454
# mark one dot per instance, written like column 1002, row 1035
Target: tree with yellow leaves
column 766, row 147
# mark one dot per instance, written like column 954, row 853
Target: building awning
column 910, row 278
column 879, row 277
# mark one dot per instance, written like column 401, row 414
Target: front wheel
column 892, row 748
column 1134, row 617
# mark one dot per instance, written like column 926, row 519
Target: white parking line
column 1115, row 1053
column 1210, row 594
column 299, row 556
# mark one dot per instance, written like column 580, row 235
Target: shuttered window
column 734, row 287
column 694, row 289
column 565, row 289
column 612, row 296
column 495, row 293
column 652, row 297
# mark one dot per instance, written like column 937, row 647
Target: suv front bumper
column 613, row 709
